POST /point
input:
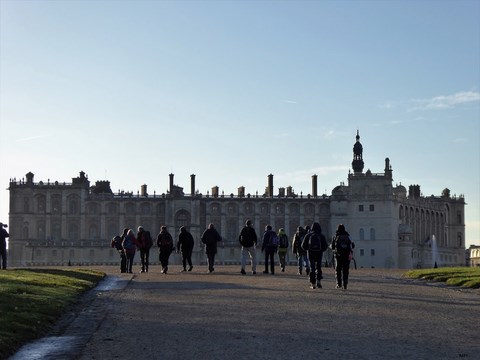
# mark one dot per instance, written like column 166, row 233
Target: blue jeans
column 302, row 260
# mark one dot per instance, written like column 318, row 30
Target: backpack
column 117, row 243
column 317, row 242
column 166, row 241
column 273, row 241
column 283, row 241
column 343, row 245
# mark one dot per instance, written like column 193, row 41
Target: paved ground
column 226, row 315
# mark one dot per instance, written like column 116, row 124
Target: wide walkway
column 226, row 315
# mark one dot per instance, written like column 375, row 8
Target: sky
column 232, row 91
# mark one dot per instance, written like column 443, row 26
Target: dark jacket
column 185, row 241
column 165, row 241
column 316, row 230
column 297, row 242
column 266, row 244
column 3, row 238
column 210, row 238
column 340, row 237
column 248, row 237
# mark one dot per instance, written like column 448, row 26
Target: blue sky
column 131, row 91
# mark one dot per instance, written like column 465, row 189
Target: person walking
column 129, row 244
column 165, row 247
column 248, row 239
column 300, row 254
column 185, row 245
column 3, row 245
column 342, row 247
column 315, row 244
column 144, row 240
column 270, row 246
column 282, row 248
column 210, row 238
column 117, row 244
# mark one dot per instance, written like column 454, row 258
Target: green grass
column 468, row 277
column 32, row 300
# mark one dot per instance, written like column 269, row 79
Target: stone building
column 54, row 223
column 473, row 255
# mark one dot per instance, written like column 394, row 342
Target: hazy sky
column 131, row 91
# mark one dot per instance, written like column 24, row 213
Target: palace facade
column 53, row 223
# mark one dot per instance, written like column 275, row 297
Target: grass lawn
column 32, row 300
column 468, row 277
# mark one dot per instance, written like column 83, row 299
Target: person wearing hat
column 3, row 245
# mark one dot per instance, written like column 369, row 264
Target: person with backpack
column 270, row 246
column 145, row 242
column 315, row 244
column 342, row 247
column 117, row 244
column 210, row 238
column 248, row 239
column 129, row 244
column 282, row 248
column 185, row 245
column 165, row 247
column 298, row 251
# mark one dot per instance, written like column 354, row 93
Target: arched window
column 361, row 234
column 182, row 218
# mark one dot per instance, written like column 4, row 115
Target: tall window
column 360, row 208
column 372, row 234
column 362, row 235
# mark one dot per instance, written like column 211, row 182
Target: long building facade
column 52, row 223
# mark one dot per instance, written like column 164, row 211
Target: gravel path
column 226, row 315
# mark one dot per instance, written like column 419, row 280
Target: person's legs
column 147, row 256
column 346, row 269
column 338, row 271
column 253, row 258
column 272, row 262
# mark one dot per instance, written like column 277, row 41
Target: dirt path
column 226, row 315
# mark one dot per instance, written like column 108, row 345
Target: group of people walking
column 308, row 245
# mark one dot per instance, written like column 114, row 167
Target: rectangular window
column 372, row 252
column 362, row 252
column 372, row 207
column 360, row 207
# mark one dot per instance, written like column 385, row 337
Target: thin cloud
column 30, row 138
column 459, row 140
column 289, row 101
column 446, row 101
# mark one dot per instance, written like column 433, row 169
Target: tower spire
column 357, row 163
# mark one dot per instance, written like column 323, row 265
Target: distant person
column 145, row 242
column 129, row 244
column 248, row 239
column 185, row 246
column 270, row 246
column 315, row 244
column 342, row 247
column 211, row 238
column 297, row 250
column 3, row 245
column 117, row 244
column 282, row 248
column 165, row 247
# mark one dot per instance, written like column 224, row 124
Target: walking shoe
column 184, row 270
column 190, row 268
column 254, row 273
column 265, row 271
column 339, row 286
column 242, row 272
column 345, row 287
column 307, row 271
column 319, row 285
column 312, row 286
